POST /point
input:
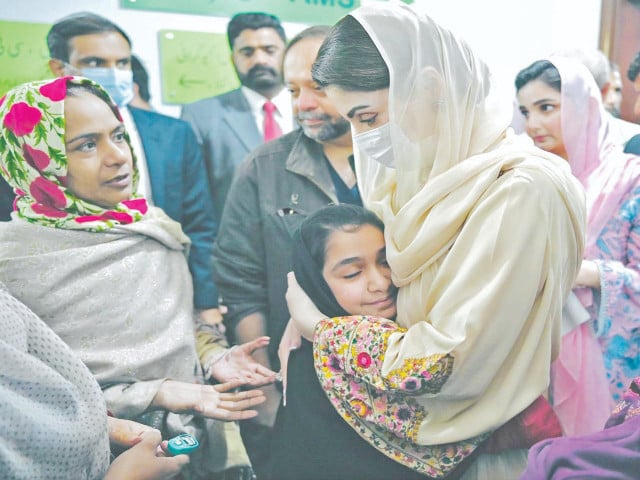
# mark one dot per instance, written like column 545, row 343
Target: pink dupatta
column 580, row 389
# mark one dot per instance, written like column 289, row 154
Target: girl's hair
column 348, row 59
column 542, row 70
column 317, row 227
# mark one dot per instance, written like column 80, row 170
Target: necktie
column 271, row 127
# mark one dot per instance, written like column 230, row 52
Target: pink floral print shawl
column 584, row 386
column 33, row 160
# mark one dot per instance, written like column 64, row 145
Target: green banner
column 24, row 55
column 194, row 65
column 313, row 12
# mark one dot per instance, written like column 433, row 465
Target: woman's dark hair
column 317, row 227
column 542, row 70
column 348, row 59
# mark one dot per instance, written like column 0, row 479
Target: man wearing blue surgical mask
column 169, row 158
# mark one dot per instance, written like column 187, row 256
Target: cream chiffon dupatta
column 484, row 237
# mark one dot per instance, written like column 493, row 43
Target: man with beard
column 274, row 189
column 230, row 125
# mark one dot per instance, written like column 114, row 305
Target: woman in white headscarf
column 484, row 237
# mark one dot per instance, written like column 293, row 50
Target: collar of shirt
column 283, row 115
column 144, row 182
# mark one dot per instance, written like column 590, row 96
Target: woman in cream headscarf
column 484, row 238
column 104, row 270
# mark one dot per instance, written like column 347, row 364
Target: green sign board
column 24, row 55
column 313, row 12
column 194, row 65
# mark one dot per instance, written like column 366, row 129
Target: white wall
column 508, row 34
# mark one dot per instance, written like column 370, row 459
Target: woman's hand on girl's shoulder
column 304, row 314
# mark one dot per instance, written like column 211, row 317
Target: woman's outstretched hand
column 304, row 313
column 212, row 401
column 238, row 363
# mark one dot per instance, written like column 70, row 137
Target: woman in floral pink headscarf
column 104, row 270
column 562, row 110
column 34, row 163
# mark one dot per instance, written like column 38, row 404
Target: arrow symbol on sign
column 187, row 82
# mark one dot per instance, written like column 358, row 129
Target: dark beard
column 260, row 78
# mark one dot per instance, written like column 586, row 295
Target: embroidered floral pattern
column 417, row 375
column 33, row 161
column 385, row 411
column 422, row 375
column 364, row 360
column 616, row 309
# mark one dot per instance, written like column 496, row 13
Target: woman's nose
column 532, row 122
column 116, row 154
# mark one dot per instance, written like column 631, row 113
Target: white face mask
column 376, row 144
column 118, row 83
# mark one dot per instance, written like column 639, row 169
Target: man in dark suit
column 169, row 159
column 230, row 125
column 274, row 189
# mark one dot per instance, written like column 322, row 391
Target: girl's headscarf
column 33, row 160
column 605, row 171
column 309, row 276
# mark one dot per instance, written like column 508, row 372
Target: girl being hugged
column 339, row 259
